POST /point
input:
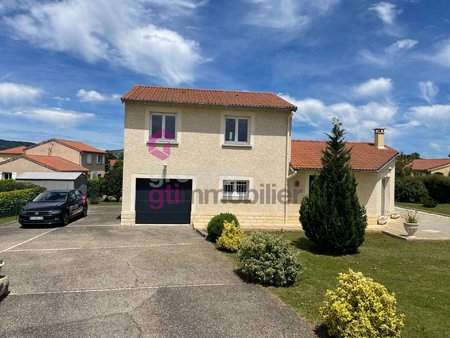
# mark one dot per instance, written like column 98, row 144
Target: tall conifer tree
column 331, row 215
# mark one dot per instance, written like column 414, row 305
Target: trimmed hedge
column 12, row 201
column 11, row 185
column 438, row 187
column 410, row 189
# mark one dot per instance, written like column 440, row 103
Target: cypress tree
column 331, row 215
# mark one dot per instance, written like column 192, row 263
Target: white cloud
column 385, row 11
column 374, row 88
column 94, row 96
column 431, row 115
column 17, row 94
column 402, row 44
column 428, row 90
column 288, row 14
column 54, row 116
column 442, row 56
column 122, row 32
column 357, row 120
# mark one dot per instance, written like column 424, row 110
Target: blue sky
column 65, row 64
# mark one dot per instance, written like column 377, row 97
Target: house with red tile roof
column 6, row 154
column 53, row 155
column 373, row 165
column 438, row 166
column 190, row 154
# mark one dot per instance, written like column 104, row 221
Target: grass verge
column 7, row 219
column 417, row 271
column 443, row 209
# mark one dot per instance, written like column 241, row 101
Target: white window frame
column 101, row 159
column 7, row 175
column 88, row 158
column 236, row 130
column 235, row 195
column 163, row 138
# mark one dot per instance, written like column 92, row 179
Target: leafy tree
column 112, row 182
column 403, row 164
column 331, row 215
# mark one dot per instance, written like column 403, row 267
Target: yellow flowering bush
column 232, row 237
column 361, row 307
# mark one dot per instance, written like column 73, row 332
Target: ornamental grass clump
column 361, row 307
column 267, row 259
column 232, row 237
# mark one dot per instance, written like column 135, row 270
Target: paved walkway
column 88, row 280
column 431, row 227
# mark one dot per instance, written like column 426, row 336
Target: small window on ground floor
column 7, row 176
column 238, row 189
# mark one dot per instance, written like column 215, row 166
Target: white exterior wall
column 201, row 156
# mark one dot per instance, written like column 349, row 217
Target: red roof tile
column 55, row 163
column 80, row 146
column 16, row 150
column 308, row 155
column 209, row 97
column 428, row 164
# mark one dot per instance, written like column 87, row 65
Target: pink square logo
column 159, row 146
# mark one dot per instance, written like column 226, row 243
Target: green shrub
column 12, row 201
column 215, row 225
column 360, row 307
column 410, row 189
column 232, row 237
column 428, row 202
column 438, row 187
column 94, row 189
column 11, row 185
column 267, row 259
column 332, row 216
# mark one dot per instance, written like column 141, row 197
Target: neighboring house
column 191, row 154
column 55, row 155
column 438, row 166
column 6, row 154
column 14, row 167
column 373, row 165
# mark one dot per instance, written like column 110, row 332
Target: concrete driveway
column 96, row 279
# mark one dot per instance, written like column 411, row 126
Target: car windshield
column 51, row 196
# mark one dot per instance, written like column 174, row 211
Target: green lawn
column 439, row 209
column 417, row 271
column 7, row 219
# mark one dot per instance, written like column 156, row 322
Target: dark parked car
column 54, row 207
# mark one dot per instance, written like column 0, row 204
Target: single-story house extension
column 56, row 180
column 193, row 153
column 373, row 165
column 6, row 154
column 438, row 166
column 87, row 158
column 14, row 167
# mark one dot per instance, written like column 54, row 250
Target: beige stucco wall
column 444, row 171
column 55, row 149
column 201, row 157
column 368, row 189
column 4, row 157
column 21, row 165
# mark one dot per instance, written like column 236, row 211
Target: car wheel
column 85, row 210
column 65, row 219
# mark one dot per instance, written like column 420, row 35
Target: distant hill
column 5, row 144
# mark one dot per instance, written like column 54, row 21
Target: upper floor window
column 89, row 158
column 99, row 159
column 163, row 126
column 237, row 130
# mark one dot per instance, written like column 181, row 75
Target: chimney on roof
column 379, row 138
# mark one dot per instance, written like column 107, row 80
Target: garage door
column 163, row 201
